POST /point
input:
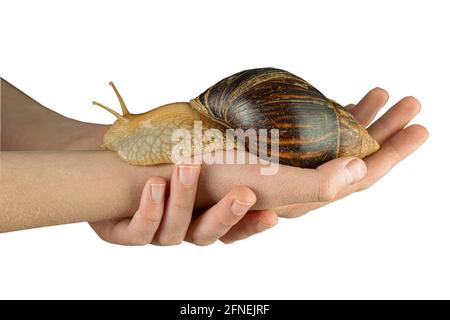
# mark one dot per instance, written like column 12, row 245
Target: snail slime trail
column 311, row 129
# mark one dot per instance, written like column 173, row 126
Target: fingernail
column 187, row 174
column 185, row 161
column 189, row 161
column 355, row 171
column 157, row 192
column 239, row 207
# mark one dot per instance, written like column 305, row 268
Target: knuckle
column 296, row 214
column 227, row 241
column 244, row 194
column 203, row 242
column 365, row 186
column 151, row 218
column 396, row 156
column 137, row 241
column 183, row 205
column 249, row 231
column 327, row 191
column 248, row 234
column 157, row 180
column 225, row 222
column 105, row 238
column 170, row 241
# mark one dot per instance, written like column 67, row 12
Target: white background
column 391, row 241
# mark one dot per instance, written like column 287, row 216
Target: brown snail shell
column 312, row 128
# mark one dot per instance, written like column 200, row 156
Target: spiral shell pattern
column 269, row 98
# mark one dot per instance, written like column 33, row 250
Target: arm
column 283, row 192
column 154, row 222
column 28, row 125
column 40, row 188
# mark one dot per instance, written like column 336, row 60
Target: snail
column 312, row 129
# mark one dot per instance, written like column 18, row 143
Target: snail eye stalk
column 123, row 106
column 119, row 116
column 119, row 97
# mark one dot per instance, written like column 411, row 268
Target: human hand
column 396, row 140
column 169, row 221
column 292, row 191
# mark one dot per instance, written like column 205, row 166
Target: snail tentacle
column 121, row 101
column 118, row 115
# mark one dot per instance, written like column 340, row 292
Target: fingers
column 396, row 145
column 309, row 185
column 351, row 107
column 395, row 119
column 332, row 177
column 326, row 183
column 298, row 209
column 392, row 151
column 219, row 219
column 178, row 214
column 254, row 222
column 141, row 228
column 366, row 110
column 146, row 220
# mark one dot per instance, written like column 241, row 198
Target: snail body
column 312, row 129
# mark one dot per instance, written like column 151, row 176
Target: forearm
column 41, row 188
column 28, row 125
column 49, row 188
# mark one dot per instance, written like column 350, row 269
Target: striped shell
column 268, row 98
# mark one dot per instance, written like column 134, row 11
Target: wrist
column 84, row 136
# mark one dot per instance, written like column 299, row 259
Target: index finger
column 394, row 150
column 296, row 185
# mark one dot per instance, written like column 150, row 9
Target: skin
column 397, row 140
column 281, row 192
column 27, row 125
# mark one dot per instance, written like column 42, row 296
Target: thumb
column 335, row 175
